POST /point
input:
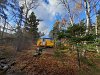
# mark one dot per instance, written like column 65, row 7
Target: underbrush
column 7, row 51
column 46, row 64
column 62, row 62
column 89, row 65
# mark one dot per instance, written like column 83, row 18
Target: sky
column 50, row 11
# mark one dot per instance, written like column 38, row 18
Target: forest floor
column 50, row 63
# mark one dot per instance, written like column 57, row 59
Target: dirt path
column 49, row 51
column 46, row 64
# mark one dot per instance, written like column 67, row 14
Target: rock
column 6, row 67
column 38, row 52
column 5, row 64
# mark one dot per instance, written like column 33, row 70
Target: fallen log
column 5, row 65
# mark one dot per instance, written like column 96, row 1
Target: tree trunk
column 69, row 12
column 96, row 28
column 78, row 58
column 2, row 34
column 87, row 6
column 0, row 31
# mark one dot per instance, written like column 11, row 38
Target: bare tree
column 67, row 7
column 87, row 8
column 29, row 5
column 4, row 10
column 26, row 7
column 3, row 29
column 95, row 3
